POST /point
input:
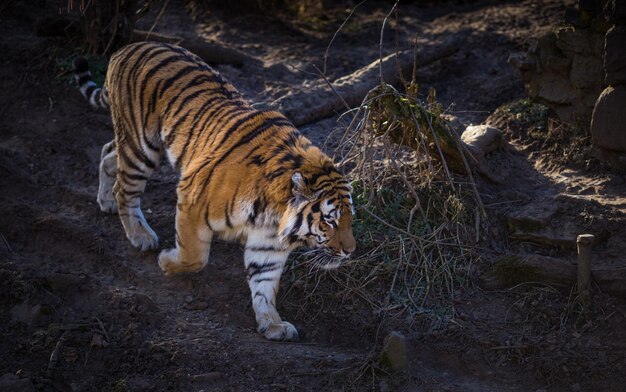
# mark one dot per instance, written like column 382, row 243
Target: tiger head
column 319, row 216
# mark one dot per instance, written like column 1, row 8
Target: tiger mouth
column 325, row 260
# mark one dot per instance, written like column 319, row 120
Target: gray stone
column 586, row 71
column 394, row 353
column 552, row 88
column 12, row 383
column 615, row 56
column 608, row 123
column 581, row 41
column 616, row 160
column 532, row 217
column 455, row 123
column 482, row 139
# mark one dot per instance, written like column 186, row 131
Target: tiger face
column 322, row 220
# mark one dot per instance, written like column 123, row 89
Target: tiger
column 243, row 173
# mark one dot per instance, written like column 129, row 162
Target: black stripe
column 132, row 176
column 231, row 112
column 257, row 208
column 254, row 268
column 141, row 155
column 183, row 103
column 124, row 156
column 90, row 91
column 170, row 136
column 227, row 218
column 206, row 218
column 176, row 77
column 267, row 124
column 297, row 225
column 153, row 100
column 190, row 133
column 263, row 249
column 261, row 280
column 156, row 67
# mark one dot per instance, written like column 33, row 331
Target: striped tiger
column 243, row 173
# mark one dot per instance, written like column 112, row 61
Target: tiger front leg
column 193, row 243
column 265, row 259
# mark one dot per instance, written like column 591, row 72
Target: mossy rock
column 511, row 270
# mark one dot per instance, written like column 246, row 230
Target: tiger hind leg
column 130, row 183
column 193, row 242
column 108, row 169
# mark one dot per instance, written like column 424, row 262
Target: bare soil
column 83, row 311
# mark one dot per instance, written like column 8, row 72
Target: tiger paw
column 143, row 237
column 107, row 205
column 168, row 261
column 282, row 331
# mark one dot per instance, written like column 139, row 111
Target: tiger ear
column 299, row 188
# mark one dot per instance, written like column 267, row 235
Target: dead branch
column 210, row 52
column 320, row 101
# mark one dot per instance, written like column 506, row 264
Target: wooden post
column 584, row 244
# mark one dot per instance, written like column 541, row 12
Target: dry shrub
column 416, row 218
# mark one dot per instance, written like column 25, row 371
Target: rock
column 616, row 160
column 532, row 217
column 394, row 352
column 542, row 224
column 582, row 41
column 586, row 72
column 455, row 123
column 513, row 269
column 550, row 87
column 615, row 56
column 609, row 118
column 482, row 139
column 562, row 238
column 12, row 383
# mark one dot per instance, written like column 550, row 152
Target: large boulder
column 586, row 72
column 608, row 123
column 615, row 55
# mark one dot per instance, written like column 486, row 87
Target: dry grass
column 416, row 219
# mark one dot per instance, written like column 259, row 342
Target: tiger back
column 243, row 173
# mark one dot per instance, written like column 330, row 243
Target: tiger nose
column 348, row 249
column 348, row 245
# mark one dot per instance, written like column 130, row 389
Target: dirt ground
column 83, row 311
